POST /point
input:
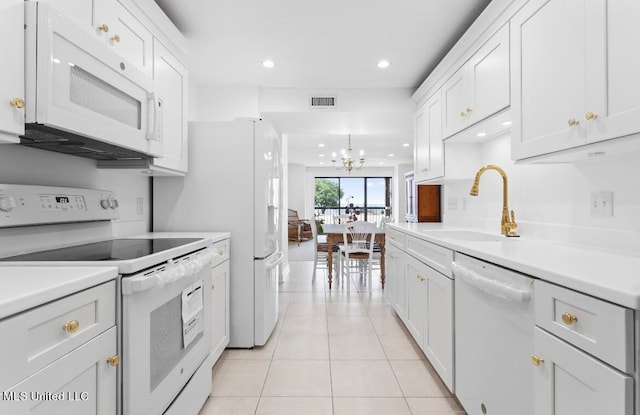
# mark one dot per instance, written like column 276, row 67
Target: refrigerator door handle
column 279, row 256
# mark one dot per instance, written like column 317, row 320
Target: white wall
column 298, row 191
column 552, row 200
column 24, row 165
column 223, row 102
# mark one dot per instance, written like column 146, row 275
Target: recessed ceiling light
column 482, row 134
column 268, row 63
column 320, row 155
column 406, row 145
column 506, row 123
column 381, row 162
column 321, row 145
column 383, row 64
column 322, row 162
column 391, row 155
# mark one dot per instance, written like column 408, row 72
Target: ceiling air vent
column 323, row 102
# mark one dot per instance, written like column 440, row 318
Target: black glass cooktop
column 112, row 250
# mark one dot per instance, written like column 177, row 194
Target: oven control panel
column 23, row 205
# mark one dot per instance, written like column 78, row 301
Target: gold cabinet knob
column 113, row 360
column 71, row 327
column 569, row 318
column 17, row 103
column 115, row 38
column 591, row 115
column 572, row 122
column 213, row 286
column 536, row 360
column 462, row 114
column 420, row 277
column 468, row 110
column 104, row 27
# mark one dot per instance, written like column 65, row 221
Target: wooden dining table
column 334, row 236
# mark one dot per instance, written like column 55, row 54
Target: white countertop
column 610, row 276
column 22, row 288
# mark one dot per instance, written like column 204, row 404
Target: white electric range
column 164, row 306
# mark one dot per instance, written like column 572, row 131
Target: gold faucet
column 507, row 223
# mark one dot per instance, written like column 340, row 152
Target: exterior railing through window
column 370, row 214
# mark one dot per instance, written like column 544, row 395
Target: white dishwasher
column 494, row 326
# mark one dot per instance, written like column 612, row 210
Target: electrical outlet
column 601, row 204
column 452, row 203
column 140, row 205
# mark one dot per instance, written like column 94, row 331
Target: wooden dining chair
column 357, row 252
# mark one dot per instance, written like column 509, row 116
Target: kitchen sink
column 467, row 236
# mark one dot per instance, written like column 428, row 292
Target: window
column 364, row 198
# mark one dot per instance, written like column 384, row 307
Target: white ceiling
column 329, row 44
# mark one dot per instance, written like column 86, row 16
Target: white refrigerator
column 233, row 184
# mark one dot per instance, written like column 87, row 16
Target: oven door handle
column 173, row 272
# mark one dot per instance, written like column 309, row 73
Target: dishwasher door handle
column 490, row 286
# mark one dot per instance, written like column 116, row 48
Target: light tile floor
column 332, row 353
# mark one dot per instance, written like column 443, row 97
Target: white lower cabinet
column 394, row 290
column 582, row 349
column 438, row 340
column 424, row 302
column 80, row 383
column 416, row 286
column 569, row 381
column 62, row 358
column 220, row 304
column 220, row 283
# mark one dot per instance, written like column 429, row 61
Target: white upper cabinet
column 574, row 74
column 170, row 84
column 12, row 70
column 125, row 35
column 480, row 88
column 429, row 148
column 111, row 23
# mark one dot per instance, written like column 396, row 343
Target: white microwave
column 82, row 98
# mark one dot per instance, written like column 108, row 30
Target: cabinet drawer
column 395, row 237
column 603, row 329
column 37, row 337
column 221, row 249
column 433, row 255
column 82, row 381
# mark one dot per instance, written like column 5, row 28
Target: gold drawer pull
column 213, row 286
column 569, row 318
column 536, row 360
column 71, row 327
column 572, row 122
column 115, row 39
column 113, row 360
column 104, row 27
column 591, row 115
column 420, row 277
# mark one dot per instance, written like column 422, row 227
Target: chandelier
column 348, row 162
